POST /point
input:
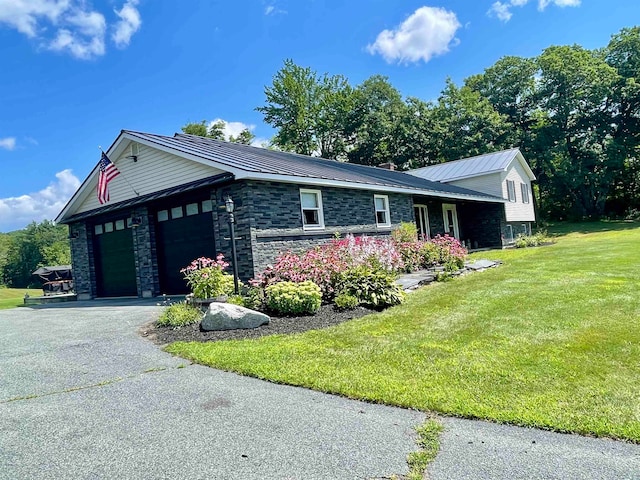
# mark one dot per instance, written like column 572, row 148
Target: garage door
column 183, row 233
column 115, row 264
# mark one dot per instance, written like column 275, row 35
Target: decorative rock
column 227, row 316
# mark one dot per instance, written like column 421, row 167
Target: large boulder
column 226, row 316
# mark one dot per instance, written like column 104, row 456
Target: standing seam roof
column 261, row 160
column 467, row 167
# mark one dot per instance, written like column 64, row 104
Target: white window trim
column 318, row 194
column 513, row 184
column 419, row 207
column 387, row 211
column 524, row 190
column 456, row 226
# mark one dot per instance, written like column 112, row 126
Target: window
column 207, row 206
column 98, row 229
column 176, row 212
column 511, row 190
column 192, row 209
column 509, row 233
column 525, row 192
column 119, row 224
column 108, row 227
column 311, row 203
column 163, row 215
column 382, row 210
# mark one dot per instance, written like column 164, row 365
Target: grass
column 429, row 444
column 551, row 339
column 14, row 297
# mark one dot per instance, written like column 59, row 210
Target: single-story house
column 166, row 208
column 504, row 174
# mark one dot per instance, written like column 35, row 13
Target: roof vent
column 388, row 166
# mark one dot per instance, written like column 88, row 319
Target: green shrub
column 236, row 300
column 179, row 315
column 344, row 301
column 207, row 278
column 376, row 288
column 290, row 298
column 405, row 233
column 535, row 240
column 254, row 299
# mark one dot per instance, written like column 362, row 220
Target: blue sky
column 76, row 72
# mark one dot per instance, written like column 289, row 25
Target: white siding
column 517, row 211
column 155, row 170
column 489, row 184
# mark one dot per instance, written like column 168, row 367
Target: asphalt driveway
column 82, row 395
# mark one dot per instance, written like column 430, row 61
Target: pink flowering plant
column 206, row 277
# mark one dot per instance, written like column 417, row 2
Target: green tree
column 372, row 126
column 466, row 124
column 36, row 245
column 307, row 110
column 245, row 137
column 575, row 91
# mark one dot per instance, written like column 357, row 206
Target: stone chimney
column 388, row 166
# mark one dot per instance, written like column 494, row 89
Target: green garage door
column 183, row 234
column 115, row 264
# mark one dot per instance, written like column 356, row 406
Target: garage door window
column 207, row 206
column 192, row 209
column 98, row 229
column 176, row 212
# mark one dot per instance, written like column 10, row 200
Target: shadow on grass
column 565, row 228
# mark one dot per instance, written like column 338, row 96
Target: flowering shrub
column 207, row 278
column 322, row 264
column 450, row 251
column 290, row 298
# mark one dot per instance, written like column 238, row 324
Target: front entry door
column 450, row 220
column 422, row 221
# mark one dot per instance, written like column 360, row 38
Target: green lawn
column 14, row 297
column 550, row 339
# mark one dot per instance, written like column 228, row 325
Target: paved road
column 82, row 396
column 472, row 450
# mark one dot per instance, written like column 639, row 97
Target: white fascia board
column 526, row 166
column 362, row 186
column 475, row 175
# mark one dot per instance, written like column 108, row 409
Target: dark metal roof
column 214, row 180
column 468, row 167
column 257, row 160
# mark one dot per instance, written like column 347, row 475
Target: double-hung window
column 311, row 203
column 525, row 192
column 511, row 190
column 382, row 210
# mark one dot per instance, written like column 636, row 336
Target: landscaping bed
column 327, row 316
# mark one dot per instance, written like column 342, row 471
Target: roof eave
column 367, row 186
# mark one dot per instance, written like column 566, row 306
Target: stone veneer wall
column 82, row 259
column 144, row 250
column 481, row 224
column 276, row 218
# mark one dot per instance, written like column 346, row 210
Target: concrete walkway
column 82, row 396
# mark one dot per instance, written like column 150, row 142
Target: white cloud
column 269, row 10
column 234, row 129
column 16, row 212
column 8, row 143
column 128, row 24
column 426, row 33
column 69, row 25
column 502, row 10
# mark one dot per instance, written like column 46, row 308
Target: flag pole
column 125, row 178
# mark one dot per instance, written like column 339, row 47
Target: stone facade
column 278, row 228
column 82, row 257
column 269, row 221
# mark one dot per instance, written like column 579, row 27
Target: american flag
column 108, row 172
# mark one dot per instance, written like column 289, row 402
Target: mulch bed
column 327, row 316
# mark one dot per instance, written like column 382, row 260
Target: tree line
column 573, row 112
column 36, row 245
